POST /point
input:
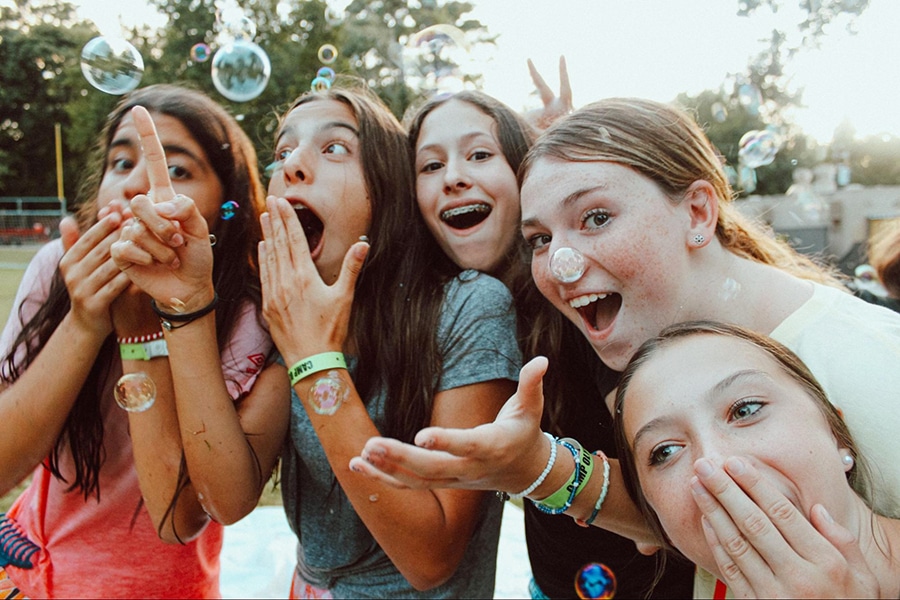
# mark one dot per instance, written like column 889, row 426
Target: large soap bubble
column 758, row 148
column 135, row 392
column 112, row 65
column 434, row 59
column 240, row 71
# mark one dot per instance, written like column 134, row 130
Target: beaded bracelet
column 168, row 319
column 550, row 462
column 140, row 339
column 584, row 464
column 603, row 491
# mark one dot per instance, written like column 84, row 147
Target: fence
column 30, row 219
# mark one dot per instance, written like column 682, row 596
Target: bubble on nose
column 135, row 392
column 200, row 52
column 112, row 65
column 229, row 209
column 567, row 265
column 595, row 580
column 241, row 70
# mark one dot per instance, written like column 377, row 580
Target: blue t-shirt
column 477, row 342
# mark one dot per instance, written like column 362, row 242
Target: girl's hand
column 766, row 548
column 92, row 278
column 506, row 455
column 165, row 250
column 305, row 315
column 554, row 107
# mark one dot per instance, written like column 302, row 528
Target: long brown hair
column 884, row 255
column 235, row 274
column 667, row 146
column 399, row 291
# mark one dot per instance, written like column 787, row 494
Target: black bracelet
column 168, row 319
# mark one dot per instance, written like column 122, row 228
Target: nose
column 567, row 264
column 137, row 182
column 297, row 167
column 455, row 177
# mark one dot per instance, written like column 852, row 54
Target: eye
column 337, row 148
column 536, row 242
column 280, row 156
column 121, row 164
column 479, row 155
column 431, row 166
column 178, row 172
column 745, row 408
column 596, row 218
column 662, row 453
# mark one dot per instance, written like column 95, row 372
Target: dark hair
column 884, row 255
column 233, row 159
column 667, row 146
column 790, row 363
column 399, row 291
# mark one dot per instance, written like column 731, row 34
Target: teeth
column 463, row 210
column 585, row 300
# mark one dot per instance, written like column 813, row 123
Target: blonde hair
column 667, row 146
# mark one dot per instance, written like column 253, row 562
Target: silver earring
column 567, row 265
column 699, row 239
column 848, row 461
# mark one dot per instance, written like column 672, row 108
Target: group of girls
column 365, row 325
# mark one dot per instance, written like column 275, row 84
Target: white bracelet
column 543, row 475
column 603, row 490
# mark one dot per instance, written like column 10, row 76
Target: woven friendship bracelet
column 544, row 473
column 140, row 339
column 314, row 364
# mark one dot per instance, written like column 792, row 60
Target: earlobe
column 703, row 205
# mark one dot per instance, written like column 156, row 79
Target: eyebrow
column 463, row 139
column 568, row 201
column 714, row 391
column 167, row 149
column 324, row 127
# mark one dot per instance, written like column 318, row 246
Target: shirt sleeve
column 247, row 353
column 477, row 332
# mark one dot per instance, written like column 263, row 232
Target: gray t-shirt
column 477, row 340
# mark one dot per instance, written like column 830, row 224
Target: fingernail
column 175, row 263
column 697, row 487
column 355, row 468
column 736, row 466
column 165, row 209
column 176, row 240
column 827, row 514
column 704, row 467
column 427, row 443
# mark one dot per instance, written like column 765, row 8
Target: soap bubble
column 228, row 210
column 135, row 392
column 320, row 84
column 719, row 112
column 747, row 178
column 240, row 71
column 112, row 65
column 326, row 73
column 200, row 52
column 758, row 148
column 233, row 25
column 750, row 98
column 435, row 56
column 327, row 54
column 595, row 580
column 567, row 265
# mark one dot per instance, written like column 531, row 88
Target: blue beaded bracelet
column 576, row 484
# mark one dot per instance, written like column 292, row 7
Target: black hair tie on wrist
column 168, row 320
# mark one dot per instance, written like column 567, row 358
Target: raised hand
column 305, row 315
column 766, row 548
column 505, row 455
column 166, row 249
column 554, row 106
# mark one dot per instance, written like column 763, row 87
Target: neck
column 879, row 541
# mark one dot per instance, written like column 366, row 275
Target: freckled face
column 715, row 397
column 318, row 169
column 633, row 239
column 125, row 172
column 466, row 190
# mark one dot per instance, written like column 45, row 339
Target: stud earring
column 848, row 461
column 699, row 239
column 567, row 265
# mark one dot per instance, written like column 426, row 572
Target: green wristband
column 143, row 351
column 316, row 363
column 584, row 467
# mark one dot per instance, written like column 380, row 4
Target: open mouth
column 312, row 226
column 598, row 311
column 465, row 217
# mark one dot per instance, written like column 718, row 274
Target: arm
column 36, row 405
column 229, row 449
column 507, row 454
column 424, row 532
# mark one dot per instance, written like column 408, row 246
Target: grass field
column 13, row 260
